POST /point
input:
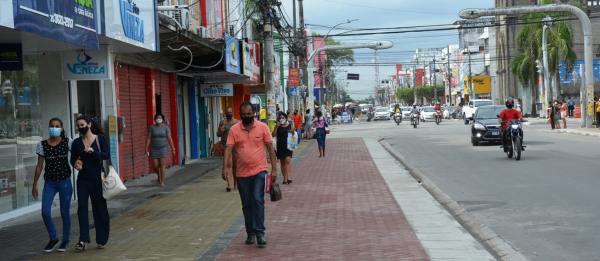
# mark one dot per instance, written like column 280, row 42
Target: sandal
column 81, row 245
column 228, row 189
column 101, row 246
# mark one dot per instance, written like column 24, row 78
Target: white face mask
column 282, row 121
column 159, row 121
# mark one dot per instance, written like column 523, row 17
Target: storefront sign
column 113, row 143
column 482, row 84
column 89, row 65
column 293, row 92
column 232, row 55
column 294, row 77
column 11, row 57
column 271, row 107
column 251, row 60
column 216, row 90
column 71, row 21
column 132, row 22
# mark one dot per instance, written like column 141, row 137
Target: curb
column 496, row 245
column 579, row 133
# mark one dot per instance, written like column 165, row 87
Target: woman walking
column 87, row 153
column 564, row 112
column 54, row 152
column 556, row 112
column 308, row 125
column 281, row 131
column 223, row 132
column 159, row 134
column 319, row 123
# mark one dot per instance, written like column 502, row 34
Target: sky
column 320, row 15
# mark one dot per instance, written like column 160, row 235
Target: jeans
column 328, row 120
column 64, row 188
column 252, row 193
column 91, row 188
column 571, row 110
column 263, row 121
column 299, row 132
column 320, row 135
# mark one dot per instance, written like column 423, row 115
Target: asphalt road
column 545, row 205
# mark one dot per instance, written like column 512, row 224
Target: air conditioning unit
column 183, row 17
column 201, row 31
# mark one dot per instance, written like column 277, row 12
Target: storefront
column 482, row 85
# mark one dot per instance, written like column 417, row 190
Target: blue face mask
column 54, row 132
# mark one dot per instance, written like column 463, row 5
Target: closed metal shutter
column 132, row 97
column 162, row 88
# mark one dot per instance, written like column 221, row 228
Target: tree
column 405, row 95
column 253, row 14
column 529, row 39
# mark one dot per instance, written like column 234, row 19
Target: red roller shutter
column 132, row 97
column 162, row 88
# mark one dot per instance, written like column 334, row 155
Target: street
column 544, row 205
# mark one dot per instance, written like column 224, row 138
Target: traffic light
column 539, row 66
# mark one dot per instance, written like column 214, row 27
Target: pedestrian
column 319, row 123
column 160, row 135
column 54, row 154
column 571, row 108
column 597, row 105
column 556, row 113
column 87, row 153
column 308, row 125
column 298, row 124
column 328, row 117
column 563, row 112
column 284, row 155
column 263, row 114
column 520, row 103
column 250, row 139
column 223, row 132
column 459, row 109
column 353, row 113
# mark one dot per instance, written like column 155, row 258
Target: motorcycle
column 514, row 140
column 369, row 116
column 438, row 117
column 398, row 118
column 414, row 120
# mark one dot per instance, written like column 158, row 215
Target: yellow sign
column 483, row 84
column 112, row 125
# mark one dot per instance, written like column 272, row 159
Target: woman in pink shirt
column 319, row 124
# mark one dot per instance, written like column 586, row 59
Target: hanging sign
column 216, row 90
column 11, row 57
column 88, row 65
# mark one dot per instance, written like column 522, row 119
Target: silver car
column 381, row 114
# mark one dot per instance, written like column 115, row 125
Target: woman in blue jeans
column 319, row 124
column 87, row 153
column 54, row 152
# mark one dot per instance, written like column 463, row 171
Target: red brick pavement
column 338, row 208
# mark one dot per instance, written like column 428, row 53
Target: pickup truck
column 469, row 110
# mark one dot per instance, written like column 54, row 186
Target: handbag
column 327, row 131
column 111, row 183
column 275, row 193
column 218, row 149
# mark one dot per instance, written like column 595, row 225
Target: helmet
column 509, row 99
column 437, row 103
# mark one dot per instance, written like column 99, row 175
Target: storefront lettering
column 133, row 26
column 61, row 20
column 9, row 55
column 86, row 68
column 216, row 91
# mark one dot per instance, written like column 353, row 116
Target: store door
column 88, row 98
column 163, row 106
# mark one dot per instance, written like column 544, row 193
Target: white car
column 469, row 110
column 427, row 113
column 381, row 114
column 406, row 112
column 448, row 111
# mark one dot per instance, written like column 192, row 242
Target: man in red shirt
column 298, row 124
column 249, row 138
column 508, row 114
column 438, row 107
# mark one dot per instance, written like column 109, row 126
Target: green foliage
column 406, row 95
column 560, row 43
column 255, row 16
column 428, row 92
column 336, row 57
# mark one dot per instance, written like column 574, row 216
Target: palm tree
column 560, row 43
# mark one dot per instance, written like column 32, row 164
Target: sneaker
column 51, row 245
column 63, row 247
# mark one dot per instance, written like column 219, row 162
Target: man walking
column 249, row 138
column 571, row 107
column 298, row 124
column 263, row 114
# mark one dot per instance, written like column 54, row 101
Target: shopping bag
column 268, row 184
column 112, row 184
column 275, row 193
column 218, row 149
column 327, row 131
column 292, row 141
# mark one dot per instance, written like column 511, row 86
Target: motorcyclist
column 397, row 110
column 506, row 116
column 438, row 107
column 414, row 112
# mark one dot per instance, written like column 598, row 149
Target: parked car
column 485, row 124
column 449, row 110
column 427, row 113
column 382, row 114
column 469, row 110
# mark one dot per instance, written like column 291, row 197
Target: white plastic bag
column 112, row 184
column 292, row 141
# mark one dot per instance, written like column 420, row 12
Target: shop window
column 20, row 131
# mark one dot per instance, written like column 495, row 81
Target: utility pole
column 434, row 83
column 471, row 90
column 268, row 62
column 304, row 61
column 293, row 62
column 449, row 93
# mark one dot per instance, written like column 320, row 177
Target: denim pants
column 320, row 135
column 91, row 189
column 252, row 193
column 64, row 188
column 299, row 132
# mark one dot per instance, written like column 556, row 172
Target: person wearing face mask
column 284, row 155
column 87, row 153
column 54, row 152
column 160, row 136
column 223, row 133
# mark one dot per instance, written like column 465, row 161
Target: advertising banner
column 320, row 61
column 482, row 83
column 212, row 17
column 398, row 68
column 11, row 57
column 567, row 77
column 232, row 55
column 276, row 78
column 293, row 92
column 132, row 22
column 68, row 21
column 419, row 76
column 294, row 77
column 216, row 90
column 251, row 60
column 89, row 65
